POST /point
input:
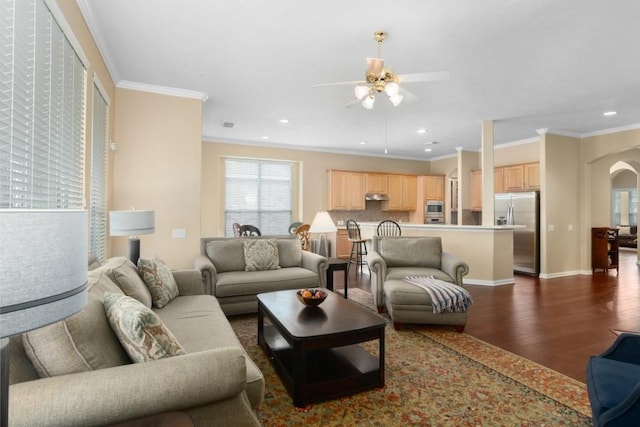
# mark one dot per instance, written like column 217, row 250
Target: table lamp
column 43, row 274
column 132, row 223
column 323, row 223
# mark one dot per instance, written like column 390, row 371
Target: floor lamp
column 31, row 239
column 132, row 223
column 323, row 223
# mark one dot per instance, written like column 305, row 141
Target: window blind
column 43, row 111
column 258, row 192
column 98, row 199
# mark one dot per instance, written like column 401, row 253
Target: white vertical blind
column 43, row 111
column 98, row 199
column 260, row 193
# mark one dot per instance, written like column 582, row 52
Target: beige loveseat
column 222, row 264
column 76, row 373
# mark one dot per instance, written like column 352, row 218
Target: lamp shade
column 131, row 223
column 43, row 267
column 322, row 223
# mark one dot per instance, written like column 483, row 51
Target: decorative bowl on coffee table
column 311, row 297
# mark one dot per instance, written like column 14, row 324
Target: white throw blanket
column 445, row 297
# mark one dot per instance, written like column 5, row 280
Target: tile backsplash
column 373, row 213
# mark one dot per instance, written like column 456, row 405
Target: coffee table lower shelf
column 328, row 373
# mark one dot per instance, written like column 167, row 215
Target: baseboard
column 563, row 274
column 510, row 281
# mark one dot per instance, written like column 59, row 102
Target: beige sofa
column 92, row 381
column 222, row 264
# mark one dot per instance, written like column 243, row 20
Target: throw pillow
column 125, row 274
column 159, row 279
column 140, row 330
column 624, row 229
column 261, row 254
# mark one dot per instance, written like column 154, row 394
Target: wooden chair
column 236, row 229
column 305, row 237
column 388, row 228
column 358, row 247
column 249, row 230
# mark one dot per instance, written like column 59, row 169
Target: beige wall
column 158, row 167
column 513, row 154
column 314, row 167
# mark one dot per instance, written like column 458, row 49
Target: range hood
column 376, row 196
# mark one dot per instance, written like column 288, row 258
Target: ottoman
column 407, row 303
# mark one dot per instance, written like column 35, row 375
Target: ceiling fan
column 380, row 79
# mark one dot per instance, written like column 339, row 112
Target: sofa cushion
column 624, row 229
column 261, row 254
column 125, row 274
column 236, row 283
column 141, row 332
column 407, row 251
column 290, row 252
column 226, row 254
column 159, row 279
column 82, row 342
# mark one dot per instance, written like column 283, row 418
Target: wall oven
column 433, row 211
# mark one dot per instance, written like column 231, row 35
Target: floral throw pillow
column 140, row 331
column 261, row 254
column 159, row 279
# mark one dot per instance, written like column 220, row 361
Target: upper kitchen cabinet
column 346, row 191
column 514, row 178
column 377, row 183
column 402, row 193
column 532, row 176
column 498, row 180
column 433, row 187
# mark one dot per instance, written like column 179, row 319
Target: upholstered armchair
column 394, row 258
column 613, row 383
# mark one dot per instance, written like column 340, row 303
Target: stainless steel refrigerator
column 523, row 210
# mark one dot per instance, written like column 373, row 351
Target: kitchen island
column 488, row 250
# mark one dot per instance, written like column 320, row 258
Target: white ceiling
column 528, row 64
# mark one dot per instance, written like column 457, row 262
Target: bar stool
column 358, row 247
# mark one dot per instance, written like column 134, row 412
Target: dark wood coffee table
column 315, row 350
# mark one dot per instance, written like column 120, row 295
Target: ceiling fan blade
column 352, row 103
column 354, row 82
column 408, row 97
column 424, row 77
column 375, row 66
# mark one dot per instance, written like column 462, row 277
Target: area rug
column 434, row 377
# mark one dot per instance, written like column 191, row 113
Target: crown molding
column 611, row 130
column 99, row 39
column 163, row 90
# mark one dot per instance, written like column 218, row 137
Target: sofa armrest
column 454, row 267
column 122, row 393
column 316, row 263
column 626, row 348
column 378, row 268
column 209, row 274
column 189, row 281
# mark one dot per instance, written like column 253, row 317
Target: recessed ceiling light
column 363, row 142
column 427, row 149
column 284, row 121
column 265, row 137
column 610, row 113
column 421, row 131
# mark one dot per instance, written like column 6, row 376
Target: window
column 260, row 193
column 42, row 80
column 98, row 200
column 625, row 206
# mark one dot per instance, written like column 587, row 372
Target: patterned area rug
column 434, row 377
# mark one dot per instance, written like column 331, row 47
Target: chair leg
column 397, row 326
column 460, row 328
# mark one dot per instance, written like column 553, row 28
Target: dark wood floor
column 557, row 323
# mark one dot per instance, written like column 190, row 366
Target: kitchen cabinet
column 532, row 176
column 402, row 193
column 475, row 190
column 498, row 180
column 346, row 191
column 604, row 249
column 377, row 183
column 343, row 245
column 513, row 178
column 433, row 187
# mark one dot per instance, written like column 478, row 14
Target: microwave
column 433, row 208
